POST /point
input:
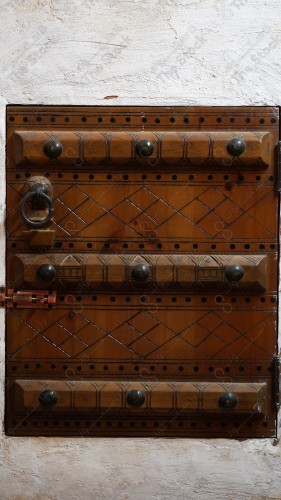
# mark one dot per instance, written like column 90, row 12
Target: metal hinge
column 276, row 367
column 278, row 184
column 40, row 299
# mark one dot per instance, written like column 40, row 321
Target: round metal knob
column 236, row 146
column 136, row 398
column 46, row 272
column 140, row 272
column 234, row 273
column 37, row 195
column 53, row 149
column 144, row 148
column 48, row 398
column 228, row 400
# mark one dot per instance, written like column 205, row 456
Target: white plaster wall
column 200, row 52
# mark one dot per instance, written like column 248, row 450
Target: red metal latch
column 39, row 299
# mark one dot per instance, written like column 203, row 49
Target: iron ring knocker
column 39, row 191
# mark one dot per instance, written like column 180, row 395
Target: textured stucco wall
column 217, row 52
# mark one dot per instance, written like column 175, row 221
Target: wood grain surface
column 189, row 213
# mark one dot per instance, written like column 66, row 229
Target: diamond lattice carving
column 194, row 212
column 144, row 335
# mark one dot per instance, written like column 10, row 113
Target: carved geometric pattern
column 191, row 272
column 135, row 212
column 112, row 396
column 188, row 212
column 95, row 148
column 142, row 334
column 154, row 221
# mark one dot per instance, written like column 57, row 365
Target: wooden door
column 142, row 265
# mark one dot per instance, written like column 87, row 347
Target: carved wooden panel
column 118, row 271
column 142, row 265
column 143, row 330
column 159, row 213
column 181, row 149
column 112, row 396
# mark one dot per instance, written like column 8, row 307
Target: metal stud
column 140, row 272
column 48, row 398
column 53, row 149
column 46, row 272
column 144, row 148
column 236, row 146
column 228, row 400
column 136, row 398
column 234, row 273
